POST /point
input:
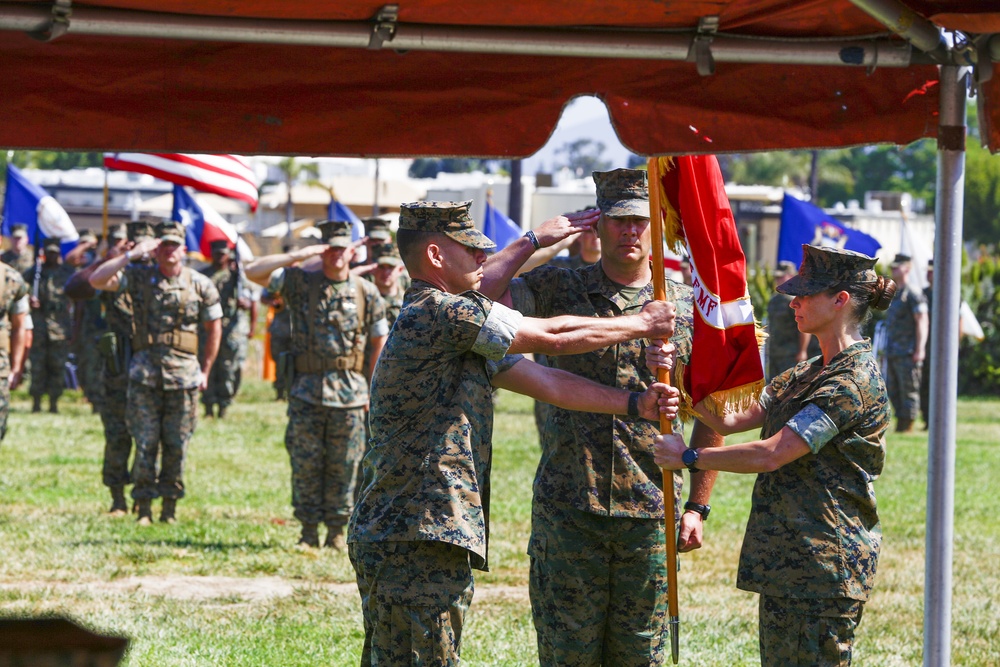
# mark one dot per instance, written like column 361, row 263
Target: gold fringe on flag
column 673, row 232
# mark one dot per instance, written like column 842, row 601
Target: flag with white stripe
column 226, row 175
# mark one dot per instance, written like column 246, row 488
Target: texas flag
column 203, row 225
column 29, row 204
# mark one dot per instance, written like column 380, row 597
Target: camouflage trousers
column 4, row 406
column 89, row 371
column 162, row 423
column 598, row 588
column 903, row 385
column 48, row 367
column 414, row 598
column 807, row 633
column 278, row 345
column 226, row 374
column 325, row 446
column 117, row 439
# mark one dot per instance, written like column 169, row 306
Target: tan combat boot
column 335, row 538
column 119, row 507
column 145, row 512
column 168, row 511
column 310, row 535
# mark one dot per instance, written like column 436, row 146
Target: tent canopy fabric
column 99, row 92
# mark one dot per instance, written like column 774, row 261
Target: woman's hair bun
column 885, row 290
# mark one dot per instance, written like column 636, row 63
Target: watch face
column 689, row 457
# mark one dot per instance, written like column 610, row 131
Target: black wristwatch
column 703, row 510
column 690, row 459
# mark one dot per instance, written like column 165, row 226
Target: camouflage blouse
column 179, row 303
column 427, row 473
column 53, row 320
column 13, row 301
column 814, row 530
column 595, row 462
column 901, row 327
column 332, row 331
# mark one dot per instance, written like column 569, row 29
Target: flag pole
column 666, row 426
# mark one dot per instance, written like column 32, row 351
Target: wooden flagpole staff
column 663, row 375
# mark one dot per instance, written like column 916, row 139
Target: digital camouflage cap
column 386, row 253
column 448, row 217
column 19, row 229
column 622, row 192
column 377, row 229
column 51, row 244
column 823, row 268
column 219, row 245
column 116, row 232
column 170, row 231
column 139, row 230
column 335, row 233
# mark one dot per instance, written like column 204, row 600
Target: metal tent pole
column 944, row 368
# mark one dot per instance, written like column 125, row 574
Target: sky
column 584, row 117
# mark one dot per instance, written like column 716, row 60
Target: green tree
column 295, row 171
column 982, row 194
column 429, row 167
column 583, row 156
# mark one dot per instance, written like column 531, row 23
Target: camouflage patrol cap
column 139, row 230
column 170, row 231
column 823, row 268
column 116, row 232
column 87, row 235
column 785, row 268
column 386, row 253
column 900, row 259
column 377, row 229
column 448, row 217
column 335, row 233
column 19, row 229
column 218, row 245
column 51, row 243
column 622, row 192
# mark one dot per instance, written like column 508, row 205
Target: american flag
column 226, row 175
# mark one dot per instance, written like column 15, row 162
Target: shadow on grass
column 183, row 544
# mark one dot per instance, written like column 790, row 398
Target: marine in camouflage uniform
column 170, row 302
column 906, row 340
column 598, row 579
column 813, row 537
column 20, row 256
column 114, row 349
column 88, row 325
column 784, row 340
column 238, row 314
column 280, row 331
column 53, row 322
column 13, row 309
column 422, row 522
column 333, row 316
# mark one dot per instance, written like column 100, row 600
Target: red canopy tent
column 445, row 77
column 452, row 77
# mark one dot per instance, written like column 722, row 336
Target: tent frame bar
column 379, row 33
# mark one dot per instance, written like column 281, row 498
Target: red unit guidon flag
column 725, row 365
column 225, row 175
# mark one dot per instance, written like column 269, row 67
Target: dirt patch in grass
column 213, row 588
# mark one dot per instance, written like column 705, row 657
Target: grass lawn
column 225, row 585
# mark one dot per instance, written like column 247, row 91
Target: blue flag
column 804, row 223
column 337, row 211
column 29, row 204
column 499, row 228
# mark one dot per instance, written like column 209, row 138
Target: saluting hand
column 562, row 226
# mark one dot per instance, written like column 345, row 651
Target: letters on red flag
column 725, row 362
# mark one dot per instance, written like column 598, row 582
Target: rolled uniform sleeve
column 20, row 306
column 833, row 408
column 497, row 333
